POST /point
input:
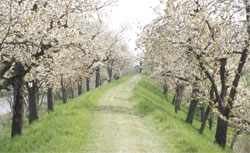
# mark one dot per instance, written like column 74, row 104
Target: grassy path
column 127, row 115
column 65, row 130
column 117, row 126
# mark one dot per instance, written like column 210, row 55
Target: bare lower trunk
column 165, row 90
column 173, row 101
column 87, row 84
column 18, row 106
column 193, row 104
column 97, row 79
column 72, row 92
column 204, row 121
column 191, row 111
column 202, row 112
column 110, row 71
column 33, row 100
column 50, row 100
column 179, row 93
column 64, row 94
column 210, row 122
column 100, row 82
column 221, row 130
column 211, row 103
column 72, row 89
column 79, row 88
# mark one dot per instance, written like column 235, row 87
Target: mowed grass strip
column 177, row 134
column 64, row 130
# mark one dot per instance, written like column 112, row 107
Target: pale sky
column 132, row 13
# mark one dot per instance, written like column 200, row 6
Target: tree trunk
column 50, row 100
column 210, row 122
column 202, row 112
column 193, row 104
column 79, row 88
column 33, row 100
column 97, row 79
column 100, row 82
column 173, row 101
column 179, row 92
column 64, row 94
column 110, row 73
column 211, row 103
column 191, row 111
column 72, row 91
column 221, row 130
column 177, row 100
column 87, row 84
column 18, row 106
column 165, row 90
column 204, row 121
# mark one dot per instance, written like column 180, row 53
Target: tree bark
column 211, row 101
column 173, row 101
column 110, row 73
column 64, row 94
column 72, row 90
column 100, row 82
column 165, row 90
column 210, row 122
column 204, row 121
column 221, row 132
column 50, row 100
column 97, row 79
column 87, row 84
column 18, row 106
column 202, row 112
column 79, row 88
column 33, row 100
column 191, row 111
column 193, row 104
column 179, row 92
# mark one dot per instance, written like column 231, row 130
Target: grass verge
column 64, row 130
column 248, row 79
column 152, row 105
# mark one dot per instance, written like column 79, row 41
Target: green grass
column 180, row 136
column 64, row 130
column 248, row 79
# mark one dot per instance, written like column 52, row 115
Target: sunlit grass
column 152, row 105
column 64, row 130
column 248, row 79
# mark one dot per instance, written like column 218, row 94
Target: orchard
column 203, row 46
column 196, row 51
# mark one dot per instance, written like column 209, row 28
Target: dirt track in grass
column 117, row 127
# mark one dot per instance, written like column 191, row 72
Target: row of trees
column 53, row 45
column 200, row 48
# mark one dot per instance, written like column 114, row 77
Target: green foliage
column 152, row 105
column 64, row 130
